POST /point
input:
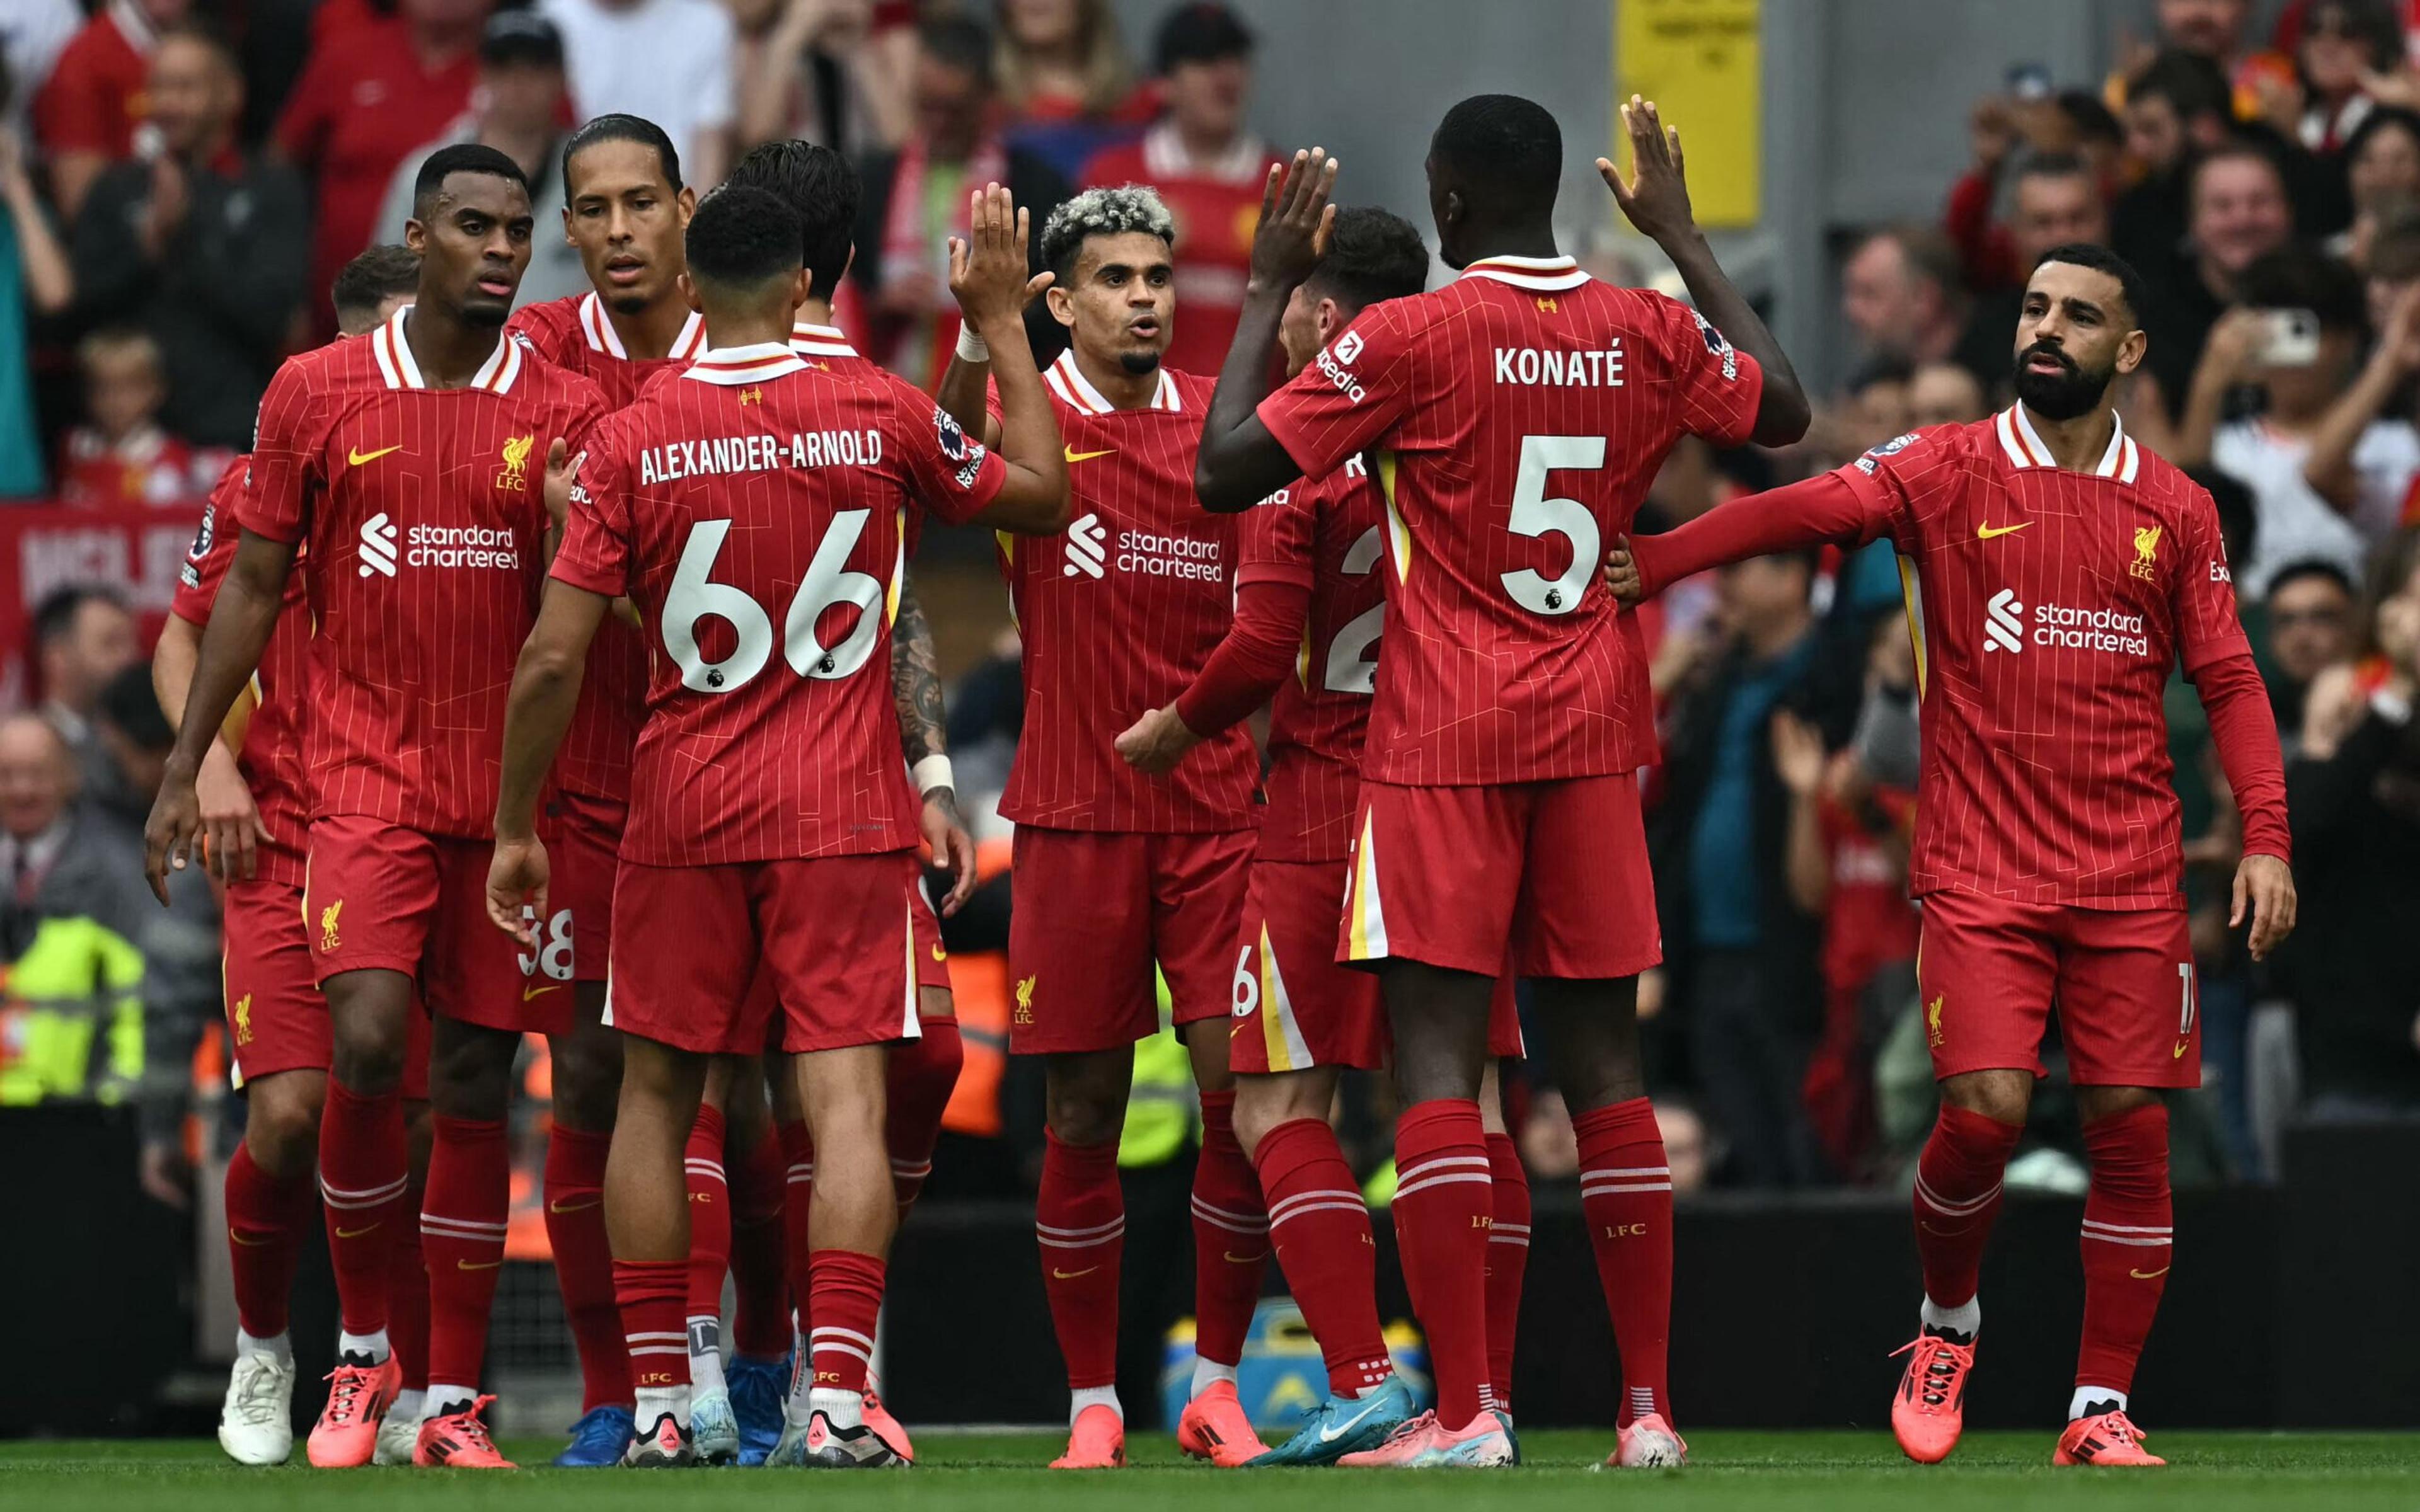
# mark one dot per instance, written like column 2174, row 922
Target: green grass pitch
column 2005, row 1472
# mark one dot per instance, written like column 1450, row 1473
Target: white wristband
column 933, row 772
column 970, row 346
column 2391, row 706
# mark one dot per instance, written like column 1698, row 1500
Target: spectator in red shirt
column 87, row 113
column 1066, row 82
column 372, row 92
column 1208, row 169
column 123, row 456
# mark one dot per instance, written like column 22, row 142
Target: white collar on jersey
column 397, row 366
column 736, row 366
column 1542, row 275
column 1076, row 389
column 2026, row 449
column 820, row 341
column 602, row 337
column 1164, row 157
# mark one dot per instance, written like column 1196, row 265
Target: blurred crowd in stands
column 178, row 178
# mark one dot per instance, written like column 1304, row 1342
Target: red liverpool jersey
column 1519, row 414
column 2047, row 609
column 422, row 515
column 1324, row 537
column 1119, row 615
column 751, row 508
column 574, row 333
column 272, row 757
column 1217, row 206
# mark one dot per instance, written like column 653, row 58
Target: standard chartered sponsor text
column 1169, row 556
column 462, row 545
column 2090, row 629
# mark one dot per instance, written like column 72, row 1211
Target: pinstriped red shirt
column 272, row 757
column 751, row 507
column 1324, row 537
column 2048, row 608
column 1118, row 616
column 1519, row 414
column 422, row 517
column 574, row 333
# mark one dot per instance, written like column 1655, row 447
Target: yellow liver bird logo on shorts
column 1025, row 1000
column 1932, row 1022
column 328, row 925
column 515, row 473
column 244, row 1019
column 2146, row 550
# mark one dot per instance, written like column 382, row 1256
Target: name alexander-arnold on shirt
column 1544, row 368
column 723, row 456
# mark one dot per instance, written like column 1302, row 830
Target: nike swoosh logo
column 1985, row 532
column 357, row 457
column 940, row 954
column 353, row 1233
column 249, row 1243
column 575, row 1207
column 2149, row 1275
column 482, row 1265
column 1331, row 1435
column 1075, row 456
column 2179, row 1054
column 528, row 992
column 1057, row 1274
column 1234, row 1258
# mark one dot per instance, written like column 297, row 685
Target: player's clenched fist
column 1154, row 743
column 517, row 879
column 168, row 834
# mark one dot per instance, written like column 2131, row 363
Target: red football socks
column 1442, row 1208
column 1507, row 1259
column 2127, row 1240
column 797, row 1202
column 1626, row 1196
column 1320, row 1229
column 760, row 1317
column 653, row 1296
column 264, row 1218
column 406, row 1294
column 710, row 1215
column 362, row 1174
column 847, row 1298
column 1956, row 1196
column 583, row 1261
column 1231, row 1236
column 1079, row 1220
column 923, row 1073
column 462, row 1240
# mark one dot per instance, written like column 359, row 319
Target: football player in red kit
column 1308, row 617
column 625, row 208
column 1519, row 415
column 753, row 485
column 1114, row 871
column 255, row 811
column 413, row 461
column 2055, row 573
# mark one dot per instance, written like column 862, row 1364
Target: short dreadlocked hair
column 1102, row 213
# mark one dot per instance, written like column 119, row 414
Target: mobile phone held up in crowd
column 2289, row 338
column 2029, row 82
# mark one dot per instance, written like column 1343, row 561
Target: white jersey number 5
column 1535, row 515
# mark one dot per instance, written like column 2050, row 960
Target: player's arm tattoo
column 916, row 680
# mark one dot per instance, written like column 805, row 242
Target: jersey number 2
column 1535, row 515
column 1350, row 669
column 828, row 582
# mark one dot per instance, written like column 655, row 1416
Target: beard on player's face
column 2071, row 390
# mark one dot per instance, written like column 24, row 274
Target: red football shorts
column 1542, row 879
column 1988, row 970
column 583, row 848
column 276, row 1018
column 1092, row 912
column 832, row 938
column 1294, row 1005
column 932, row 957
column 381, row 897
